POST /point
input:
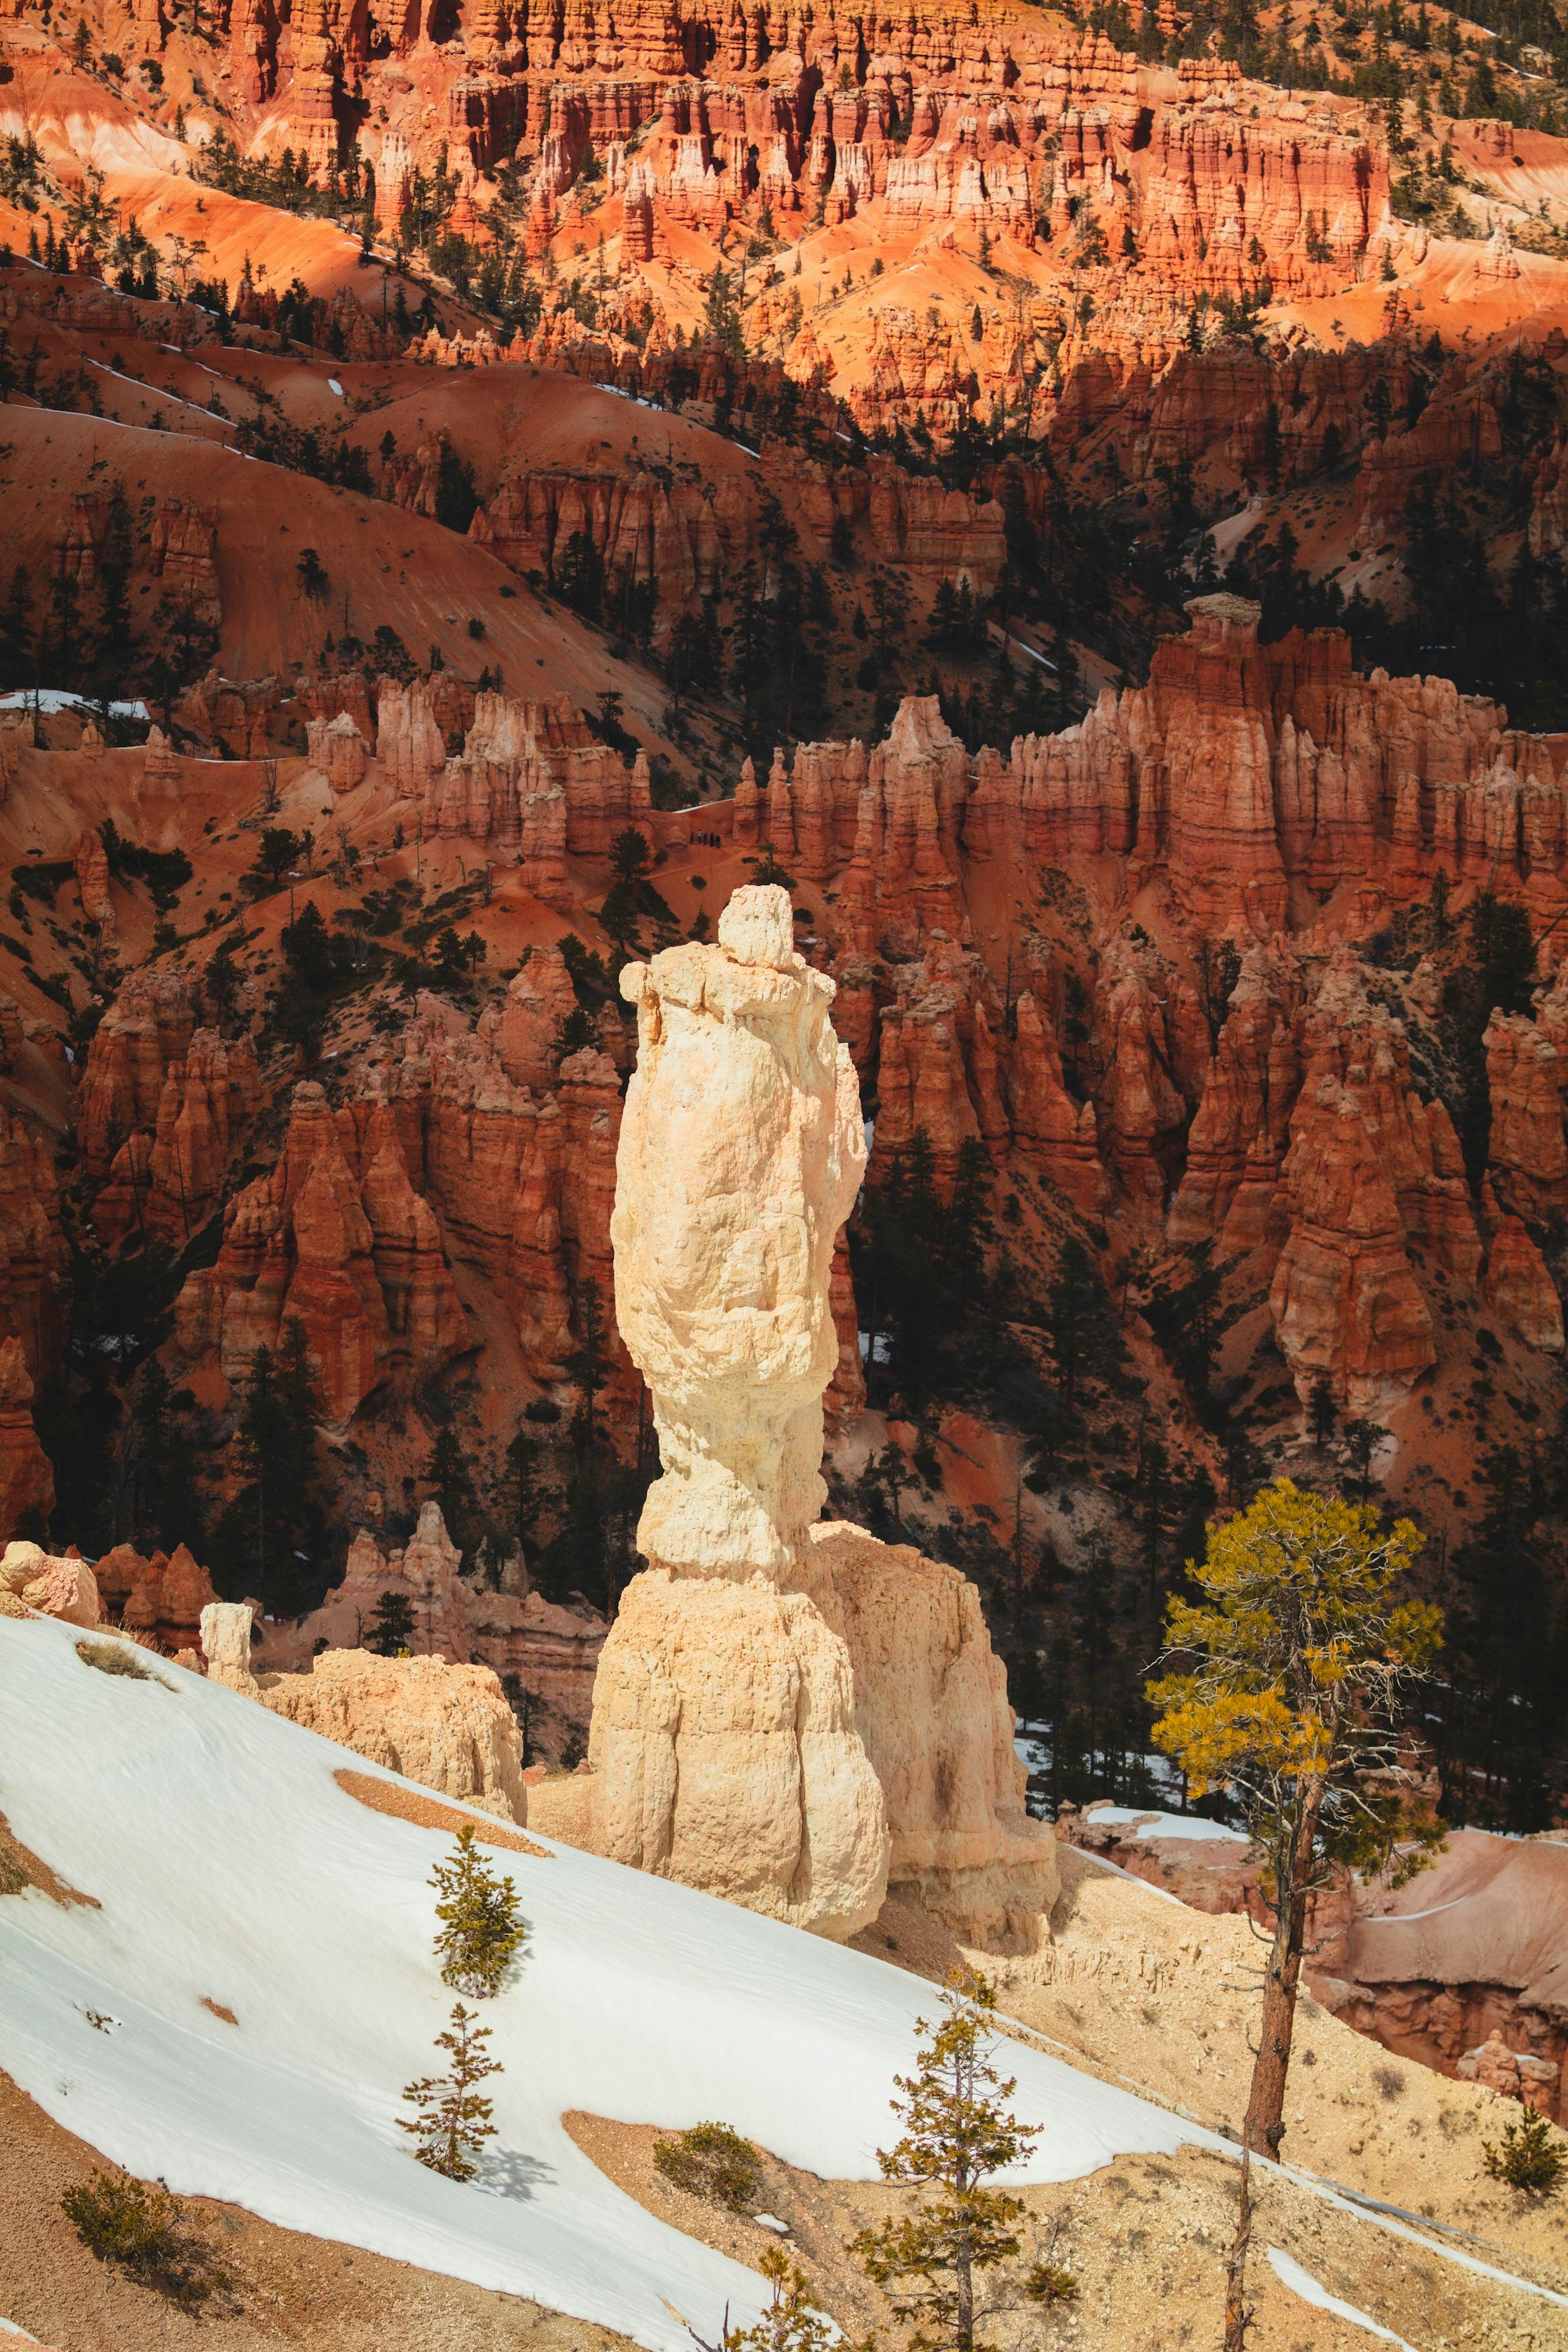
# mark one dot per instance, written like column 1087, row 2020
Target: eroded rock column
column 787, row 1713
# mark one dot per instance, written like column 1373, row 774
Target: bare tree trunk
column 1237, row 2316
column 1264, row 2128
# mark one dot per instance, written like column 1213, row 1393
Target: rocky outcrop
column 336, row 1239
column 26, row 1476
column 447, row 1727
column 726, row 1752
column 1471, row 1952
column 1526, row 1148
column 161, row 1599
column 785, row 1714
column 1345, row 1302
column 491, row 1618
column 149, row 1027
column 931, row 1708
column 34, row 1280
column 169, row 1181
column 1242, row 773
column 57, row 1586
column 1520, row 1290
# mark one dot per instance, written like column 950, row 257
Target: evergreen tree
column 959, row 2131
column 116, row 642
column 447, row 1473
column 273, row 1530
column 391, row 1633
column 1077, row 1319
column 168, row 1506
column 1288, row 1669
column 1323, row 1410
column 16, row 644
column 522, row 1461
column 452, row 2120
column 792, row 2322
column 480, row 1931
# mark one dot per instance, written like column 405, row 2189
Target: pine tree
column 480, row 1931
column 1322, row 1412
column 792, row 2322
column 1076, row 1318
column 1290, row 1670
column 1532, row 2156
column 522, row 1461
column 391, row 1632
column 17, row 654
column 959, row 2132
column 453, row 2119
column 447, row 1474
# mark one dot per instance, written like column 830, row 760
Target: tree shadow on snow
column 507, row 2172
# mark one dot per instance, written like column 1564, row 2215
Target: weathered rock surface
column 931, row 1708
column 741, row 1153
column 493, row 1619
column 445, row 1725
column 161, row 1601
column 26, row 1478
column 726, row 1752
column 58, row 1587
column 783, row 1713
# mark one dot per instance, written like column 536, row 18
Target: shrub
column 115, row 1658
column 145, row 2232
column 1050, row 2286
column 1532, row 2156
column 714, row 2163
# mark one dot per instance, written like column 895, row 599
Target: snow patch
column 1290, row 2273
column 53, row 699
column 230, row 1867
column 1169, row 1825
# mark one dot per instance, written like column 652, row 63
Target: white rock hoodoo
column 786, row 1713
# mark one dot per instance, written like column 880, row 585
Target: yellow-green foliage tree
column 1290, row 1674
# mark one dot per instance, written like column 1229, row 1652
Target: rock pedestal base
column 725, row 1753
column 803, row 1752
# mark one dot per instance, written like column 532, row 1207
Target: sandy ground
column 1145, row 2239
column 289, row 2290
column 430, row 1813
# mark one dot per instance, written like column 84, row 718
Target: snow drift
column 228, row 1867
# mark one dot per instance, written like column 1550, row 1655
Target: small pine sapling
column 959, row 2131
column 1048, row 2285
column 452, row 2118
column 792, row 2322
column 480, row 1931
column 1533, row 2158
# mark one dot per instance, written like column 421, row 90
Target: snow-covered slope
column 231, row 1868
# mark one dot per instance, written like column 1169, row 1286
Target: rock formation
column 742, row 1151
column 161, row 1601
column 26, row 1479
column 58, row 1587
column 494, row 1619
column 449, row 1727
column 790, row 1715
column 726, row 1753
